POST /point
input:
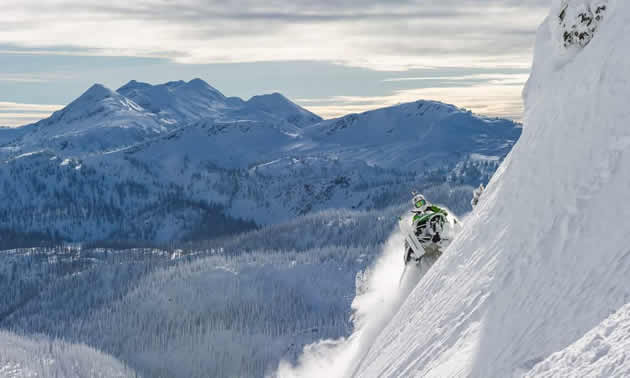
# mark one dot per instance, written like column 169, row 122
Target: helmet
column 419, row 202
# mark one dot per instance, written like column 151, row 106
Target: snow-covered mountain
column 414, row 136
column 99, row 120
column 280, row 106
column 537, row 283
column 162, row 162
column 102, row 120
column 182, row 102
column 177, row 101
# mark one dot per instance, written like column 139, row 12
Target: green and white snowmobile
column 430, row 232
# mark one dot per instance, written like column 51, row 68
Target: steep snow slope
column 545, row 257
column 417, row 135
column 22, row 357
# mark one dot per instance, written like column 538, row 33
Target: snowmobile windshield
column 420, row 203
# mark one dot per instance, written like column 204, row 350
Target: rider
column 423, row 211
column 424, row 216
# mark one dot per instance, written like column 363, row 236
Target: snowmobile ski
column 413, row 243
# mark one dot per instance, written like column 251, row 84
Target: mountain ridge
column 263, row 160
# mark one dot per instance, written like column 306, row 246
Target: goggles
column 420, row 203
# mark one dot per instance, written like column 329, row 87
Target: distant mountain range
column 180, row 161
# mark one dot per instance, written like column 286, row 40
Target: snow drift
column 545, row 257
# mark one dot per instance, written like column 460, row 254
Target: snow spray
column 372, row 309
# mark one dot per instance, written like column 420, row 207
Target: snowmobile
column 429, row 237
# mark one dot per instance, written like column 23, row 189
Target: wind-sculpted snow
column 544, row 258
column 602, row 352
column 22, row 357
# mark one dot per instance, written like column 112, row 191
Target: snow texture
column 602, row 352
column 545, row 257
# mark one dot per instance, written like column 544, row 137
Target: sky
column 333, row 57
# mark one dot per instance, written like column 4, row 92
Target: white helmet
column 419, row 202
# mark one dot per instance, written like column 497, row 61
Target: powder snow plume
column 376, row 303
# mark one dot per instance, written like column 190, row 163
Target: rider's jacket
column 420, row 217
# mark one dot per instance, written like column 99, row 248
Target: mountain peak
column 96, row 95
column 201, row 86
column 275, row 96
column 133, row 84
column 97, row 92
column 173, row 83
column 198, row 83
column 277, row 103
column 176, row 100
column 97, row 100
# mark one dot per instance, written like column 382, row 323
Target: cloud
column 393, row 35
column 16, row 114
column 39, row 77
column 517, row 79
column 396, row 38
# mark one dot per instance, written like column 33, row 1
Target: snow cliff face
column 545, row 257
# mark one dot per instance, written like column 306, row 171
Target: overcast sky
column 331, row 56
